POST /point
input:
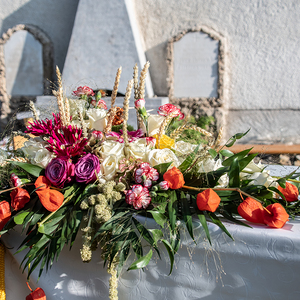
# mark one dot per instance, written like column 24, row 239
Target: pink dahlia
column 67, row 142
column 146, row 174
column 83, row 90
column 46, row 127
column 138, row 196
column 169, row 108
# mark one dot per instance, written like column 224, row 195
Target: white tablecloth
column 261, row 263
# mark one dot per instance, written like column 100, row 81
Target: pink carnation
column 169, row 108
column 15, row 180
column 83, row 90
column 146, row 174
column 101, row 104
column 140, row 103
column 164, row 185
column 138, row 196
column 97, row 135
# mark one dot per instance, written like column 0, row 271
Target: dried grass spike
column 136, row 82
column 116, row 86
column 142, row 80
column 33, row 109
column 67, row 111
column 219, row 138
column 82, row 123
column 126, row 108
column 59, row 97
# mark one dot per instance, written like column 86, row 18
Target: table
column 261, row 263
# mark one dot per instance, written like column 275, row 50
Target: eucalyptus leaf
column 19, row 218
column 226, row 153
column 216, row 221
column 162, row 168
column 234, row 173
column 170, row 252
column 189, row 160
column 172, row 210
column 203, row 222
column 187, row 217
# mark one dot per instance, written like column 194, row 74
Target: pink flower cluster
column 100, row 104
column 83, row 90
column 146, row 174
column 132, row 135
column 138, row 196
column 169, row 108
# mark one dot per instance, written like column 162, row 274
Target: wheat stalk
column 126, row 108
column 33, row 109
column 60, row 97
column 67, row 111
column 141, row 91
column 176, row 133
column 163, row 125
column 136, row 82
column 113, row 100
column 219, row 138
column 82, row 123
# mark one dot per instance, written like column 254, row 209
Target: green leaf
column 162, row 168
column 227, row 162
column 216, row 221
column 189, row 160
column 213, row 153
column 234, row 220
column 170, row 252
column 158, row 217
column 141, row 262
column 31, row 169
column 237, row 136
column 234, row 174
column 157, row 234
column 144, row 232
column 187, row 217
column 226, row 153
column 282, row 182
column 124, row 252
column 172, row 210
column 203, row 222
column 245, row 161
column 19, row 219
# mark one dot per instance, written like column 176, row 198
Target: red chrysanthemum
column 41, row 127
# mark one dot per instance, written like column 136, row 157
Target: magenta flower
column 146, row 174
column 83, row 90
column 138, row 196
column 97, row 135
column 15, row 180
column 86, row 167
column 164, row 185
column 46, row 127
column 169, row 108
column 67, row 142
column 59, row 171
column 132, row 135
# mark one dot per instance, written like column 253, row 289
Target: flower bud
column 152, row 194
column 164, row 185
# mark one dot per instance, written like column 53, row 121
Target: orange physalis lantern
column 175, row 178
column 208, row 200
column 19, row 197
column 290, row 192
column 4, row 213
column 251, row 210
column 275, row 215
column 37, row 294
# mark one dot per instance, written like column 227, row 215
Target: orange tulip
column 50, row 199
column 208, row 200
column 251, row 210
column 19, row 197
column 290, row 192
column 4, row 213
column 174, row 178
column 275, row 215
column 42, row 183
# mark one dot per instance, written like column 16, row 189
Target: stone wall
column 263, row 54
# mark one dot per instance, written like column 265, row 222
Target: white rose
column 139, row 149
column 109, row 167
column 184, row 148
column 207, row 165
column 112, row 147
column 224, row 179
column 159, row 156
column 34, row 149
column 97, row 118
column 42, row 158
column 154, row 122
column 263, row 178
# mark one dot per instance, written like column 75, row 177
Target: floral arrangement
column 83, row 174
